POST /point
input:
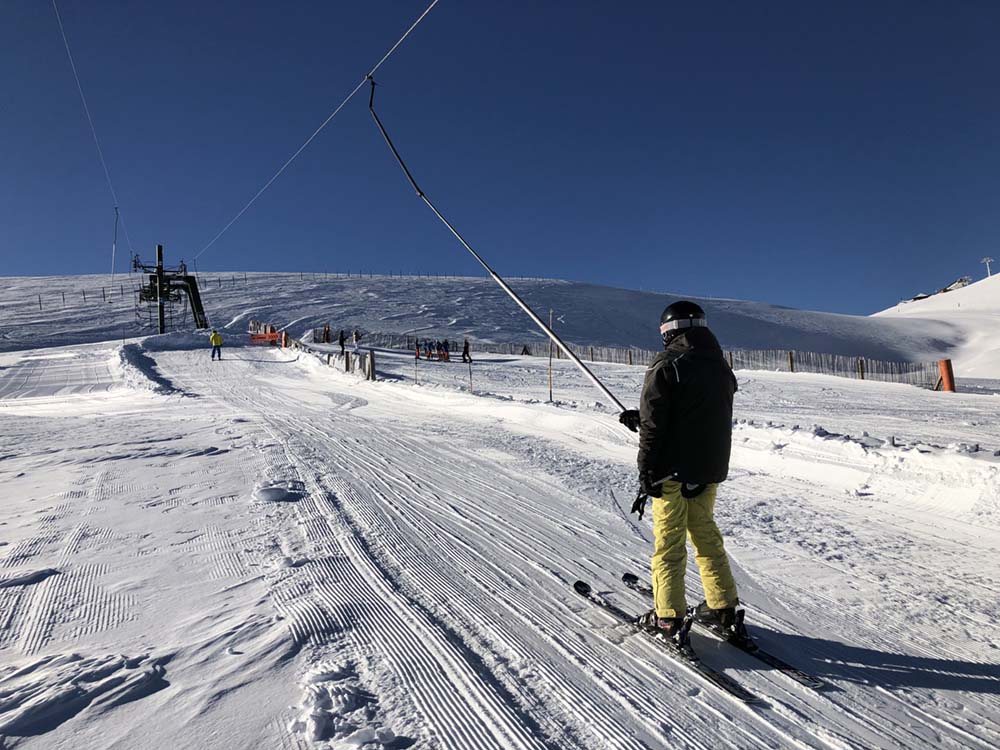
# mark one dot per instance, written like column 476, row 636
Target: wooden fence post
column 40, row 302
column 730, row 360
column 591, row 354
column 791, row 362
column 84, row 295
column 861, row 368
column 328, row 355
column 347, row 361
column 371, row 364
column 63, row 294
column 630, row 356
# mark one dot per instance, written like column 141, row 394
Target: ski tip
column 582, row 588
column 629, row 578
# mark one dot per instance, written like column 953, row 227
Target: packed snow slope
column 269, row 552
column 973, row 312
column 33, row 313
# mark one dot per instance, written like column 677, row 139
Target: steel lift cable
column 317, row 131
column 97, row 142
column 496, row 277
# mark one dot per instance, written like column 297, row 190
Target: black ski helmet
column 680, row 315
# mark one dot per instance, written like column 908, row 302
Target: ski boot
column 727, row 622
column 673, row 629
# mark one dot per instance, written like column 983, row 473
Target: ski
column 743, row 642
column 683, row 654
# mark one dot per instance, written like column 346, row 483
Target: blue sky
column 832, row 156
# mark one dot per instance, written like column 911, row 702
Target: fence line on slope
column 923, row 374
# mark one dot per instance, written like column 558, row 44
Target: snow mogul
column 685, row 423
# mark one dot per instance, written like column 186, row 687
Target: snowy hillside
column 584, row 313
column 270, row 552
column 973, row 312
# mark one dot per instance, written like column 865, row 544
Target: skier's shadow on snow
column 866, row 666
column 236, row 358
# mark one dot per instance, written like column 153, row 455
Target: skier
column 216, row 341
column 447, row 354
column 685, row 426
column 341, row 340
column 466, row 357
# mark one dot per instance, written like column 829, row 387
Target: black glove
column 630, row 418
column 647, row 485
column 639, row 506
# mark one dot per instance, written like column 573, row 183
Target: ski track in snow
column 322, row 562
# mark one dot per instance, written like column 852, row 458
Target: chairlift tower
column 165, row 286
column 987, row 260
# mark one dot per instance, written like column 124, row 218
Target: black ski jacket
column 686, row 412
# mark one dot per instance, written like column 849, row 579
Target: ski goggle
column 673, row 325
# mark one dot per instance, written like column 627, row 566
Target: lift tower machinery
column 165, row 287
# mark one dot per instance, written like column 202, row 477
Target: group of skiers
column 342, row 338
column 440, row 350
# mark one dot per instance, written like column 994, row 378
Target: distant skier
column 447, row 354
column 341, row 340
column 440, row 351
column 685, row 425
column 466, row 357
column 216, row 341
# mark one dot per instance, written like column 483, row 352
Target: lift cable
column 503, row 284
column 97, row 142
column 317, row 131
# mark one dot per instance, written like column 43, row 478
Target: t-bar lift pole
column 503, row 284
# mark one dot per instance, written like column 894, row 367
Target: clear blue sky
column 833, row 156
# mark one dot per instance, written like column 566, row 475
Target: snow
column 974, row 311
column 270, row 552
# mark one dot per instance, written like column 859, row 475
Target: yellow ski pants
column 674, row 518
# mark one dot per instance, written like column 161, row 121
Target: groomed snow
column 269, row 552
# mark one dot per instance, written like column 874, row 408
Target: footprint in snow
column 279, row 492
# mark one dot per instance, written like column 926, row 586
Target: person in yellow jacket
column 216, row 341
